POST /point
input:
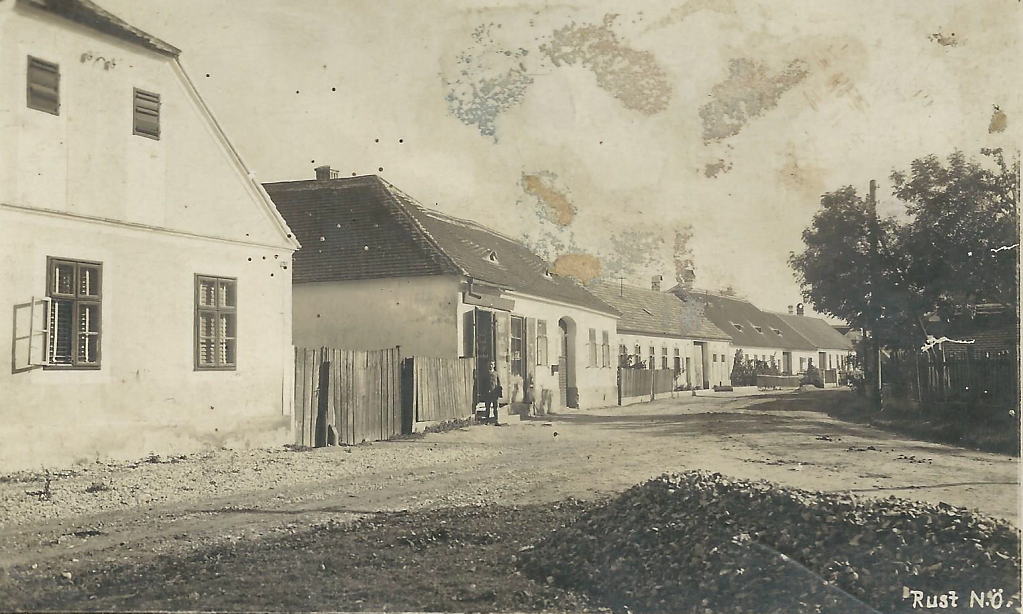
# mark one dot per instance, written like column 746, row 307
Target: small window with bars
column 75, row 313
column 216, row 322
column 146, row 115
column 43, row 86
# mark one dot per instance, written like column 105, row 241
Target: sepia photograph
column 662, row 306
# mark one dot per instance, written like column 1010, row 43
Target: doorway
column 786, row 362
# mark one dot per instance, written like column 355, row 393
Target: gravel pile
column 701, row 542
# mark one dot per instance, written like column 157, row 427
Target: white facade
column 153, row 214
column 703, row 363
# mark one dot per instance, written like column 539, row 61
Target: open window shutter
column 502, row 327
column 530, row 359
column 469, row 333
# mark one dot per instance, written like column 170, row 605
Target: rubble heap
column 698, row 542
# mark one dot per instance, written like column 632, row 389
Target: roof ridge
column 390, row 189
column 89, row 14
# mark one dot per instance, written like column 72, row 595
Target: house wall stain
column 749, row 91
column 633, row 77
column 999, row 121
column 488, row 81
column 555, row 204
column 581, row 266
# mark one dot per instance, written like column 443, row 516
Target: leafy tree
column 957, row 246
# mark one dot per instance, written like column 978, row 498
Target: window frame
column 653, row 358
column 93, row 299
column 43, row 65
column 605, row 350
column 135, row 113
column 664, row 357
column 198, row 309
column 592, row 349
column 521, row 321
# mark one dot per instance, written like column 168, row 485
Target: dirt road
column 779, row 437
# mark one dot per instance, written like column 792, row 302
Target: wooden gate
column 347, row 397
column 441, row 388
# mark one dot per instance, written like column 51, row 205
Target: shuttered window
column 592, row 347
column 75, row 315
column 147, row 114
column 605, row 350
column 43, row 86
column 216, row 322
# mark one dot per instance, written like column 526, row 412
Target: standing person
column 492, row 390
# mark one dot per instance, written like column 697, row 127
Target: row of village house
column 157, row 289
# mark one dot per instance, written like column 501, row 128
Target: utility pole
column 875, row 307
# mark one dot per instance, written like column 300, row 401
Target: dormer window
column 647, row 311
column 738, row 327
column 492, row 256
column 776, row 331
column 758, row 329
column 547, row 273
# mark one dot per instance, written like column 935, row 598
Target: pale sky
column 603, row 128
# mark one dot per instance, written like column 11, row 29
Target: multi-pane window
column 623, row 355
column 664, row 357
column 43, row 86
column 802, row 364
column 75, row 316
column 653, row 359
column 593, row 347
column 605, row 350
column 518, row 329
column 216, row 322
column 541, row 342
column 146, row 115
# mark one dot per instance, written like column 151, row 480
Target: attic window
column 647, row 311
column 738, row 327
column 758, row 329
column 547, row 273
column 43, row 86
column 492, row 256
column 776, row 331
column 147, row 114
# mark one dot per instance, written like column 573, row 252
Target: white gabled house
column 146, row 270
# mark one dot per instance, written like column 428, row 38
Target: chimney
column 655, row 283
column 799, row 309
column 325, row 172
column 688, row 279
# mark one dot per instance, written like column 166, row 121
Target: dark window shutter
column 502, row 325
column 147, row 114
column 530, row 357
column 43, row 86
column 469, row 333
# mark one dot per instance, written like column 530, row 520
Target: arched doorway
column 566, row 363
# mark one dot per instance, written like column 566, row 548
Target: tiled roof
column 90, row 15
column 652, row 312
column 726, row 312
column 365, row 228
column 818, row 332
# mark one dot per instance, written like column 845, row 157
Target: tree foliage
column 956, row 245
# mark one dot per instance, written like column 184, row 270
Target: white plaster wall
column 417, row 313
column 598, row 386
column 147, row 395
column 87, row 162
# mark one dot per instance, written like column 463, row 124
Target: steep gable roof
column 740, row 319
column 652, row 312
column 818, row 332
column 365, row 228
column 90, row 15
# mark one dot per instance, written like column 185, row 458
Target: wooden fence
column 951, row 383
column 347, row 397
column 644, row 382
column 442, row 388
